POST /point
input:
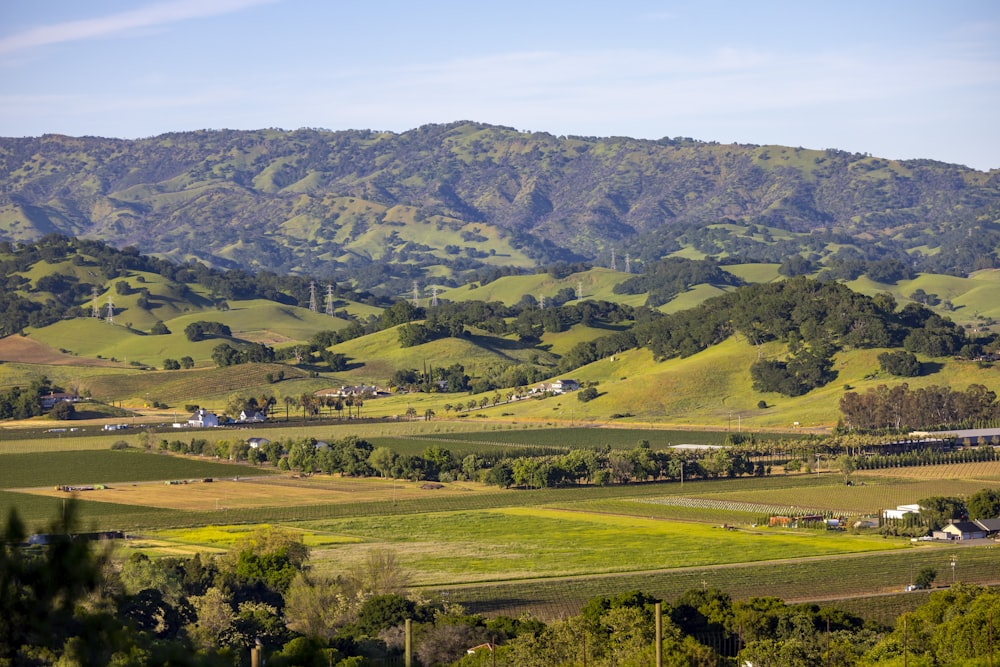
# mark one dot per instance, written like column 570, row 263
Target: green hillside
column 443, row 203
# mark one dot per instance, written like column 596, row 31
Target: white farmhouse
column 203, row 419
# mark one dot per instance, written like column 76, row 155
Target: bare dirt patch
column 258, row 492
column 29, row 351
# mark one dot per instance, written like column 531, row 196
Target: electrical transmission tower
column 434, row 297
column 110, row 318
column 312, row 296
column 614, row 264
column 416, row 295
column 95, row 312
column 329, row 299
column 579, row 290
column 541, row 302
column 628, row 263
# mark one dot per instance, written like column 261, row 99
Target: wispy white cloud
column 113, row 24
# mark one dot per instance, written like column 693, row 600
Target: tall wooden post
column 659, row 635
column 408, row 643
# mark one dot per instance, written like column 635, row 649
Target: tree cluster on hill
column 900, row 408
column 18, row 403
column 814, row 318
column 667, row 278
column 63, row 603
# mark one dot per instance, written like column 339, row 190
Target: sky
column 900, row 80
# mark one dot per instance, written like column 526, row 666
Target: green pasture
column 89, row 438
column 755, row 273
column 106, row 467
column 381, row 354
column 225, row 536
column 515, row 543
column 210, row 388
column 562, row 342
column 691, row 298
column 979, row 294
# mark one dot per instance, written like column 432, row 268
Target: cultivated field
column 511, row 551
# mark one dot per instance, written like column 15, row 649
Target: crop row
column 589, row 438
column 739, row 506
column 105, row 466
column 803, row 580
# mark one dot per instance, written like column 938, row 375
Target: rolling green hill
column 704, row 386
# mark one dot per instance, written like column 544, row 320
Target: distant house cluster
column 956, row 530
column 558, row 386
column 202, row 418
column 49, row 401
column 363, row 390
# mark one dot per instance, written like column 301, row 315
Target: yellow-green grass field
column 382, row 355
column 518, row 543
column 977, row 295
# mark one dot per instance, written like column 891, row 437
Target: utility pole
column 659, row 634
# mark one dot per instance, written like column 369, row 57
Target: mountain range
column 442, row 203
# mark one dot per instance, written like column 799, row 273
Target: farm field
column 505, row 550
column 255, row 492
column 876, row 494
column 528, row 542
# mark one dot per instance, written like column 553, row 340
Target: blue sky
column 896, row 79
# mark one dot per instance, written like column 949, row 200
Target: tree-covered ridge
column 667, row 278
column 292, row 201
column 814, row 319
column 94, row 265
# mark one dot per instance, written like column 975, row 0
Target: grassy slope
column 597, row 284
column 381, row 354
column 978, row 294
column 258, row 321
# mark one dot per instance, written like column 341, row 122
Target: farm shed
column 963, row 530
column 991, row 526
column 969, row 436
column 901, row 511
